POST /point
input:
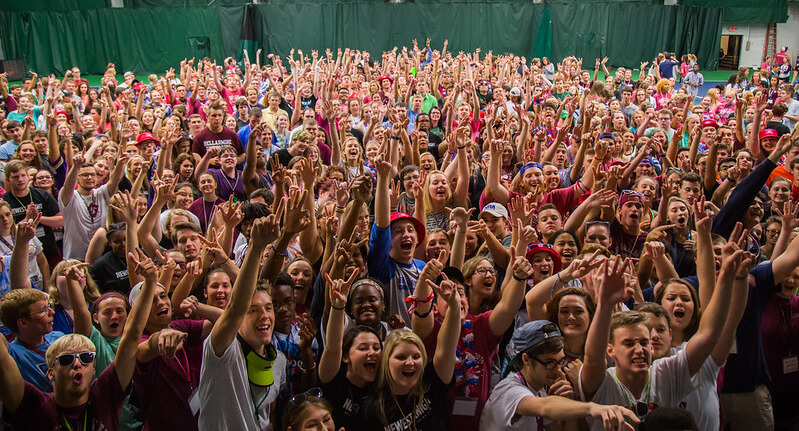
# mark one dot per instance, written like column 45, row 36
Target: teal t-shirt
column 106, row 350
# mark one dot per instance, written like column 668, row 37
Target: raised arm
column 226, row 327
column 330, row 362
column 448, row 336
column 248, row 175
column 116, row 174
column 82, row 318
column 512, row 293
column 701, row 345
column 125, row 360
column 18, row 263
column 494, row 189
column 611, row 292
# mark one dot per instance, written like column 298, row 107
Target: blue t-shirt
column 8, row 149
column 746, row 369
column 32, row 363
column 399, row 278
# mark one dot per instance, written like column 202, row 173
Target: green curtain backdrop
column 747, row 11
column 154, row 39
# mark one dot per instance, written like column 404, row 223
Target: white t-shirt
column 34, row 248
column 227, row 399
column 670, row 382
column 79, row 224
column 703, row 401
column 500, row 410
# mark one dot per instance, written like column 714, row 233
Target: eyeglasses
column 552, row 363
column 310, row 394
column 87, row 175
column 485, row 271
column 632, row 193
column 772, row 232
column 68, row 359
column 43, row 311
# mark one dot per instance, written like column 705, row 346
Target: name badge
column 464, row 407
column 194, row 402
column 790, row 364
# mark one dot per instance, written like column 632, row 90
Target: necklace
column 92, row 208
column 413, row 415
column 207, row 217
column 233, row 186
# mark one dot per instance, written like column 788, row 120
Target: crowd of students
column 427, row 240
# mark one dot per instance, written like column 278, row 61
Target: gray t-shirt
column 227, row 399
column 500, row 410
column 83, row 215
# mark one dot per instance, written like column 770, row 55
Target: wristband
column 337, row 308
column 306, row 370
column 422, row 316
column 460, row 148
column 414, row 301
column 517, row 278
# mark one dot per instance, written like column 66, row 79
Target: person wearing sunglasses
column 537, row 392
column 78, row 400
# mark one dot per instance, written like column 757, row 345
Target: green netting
column 151, row 40
column 747, row 11
column 52, row 5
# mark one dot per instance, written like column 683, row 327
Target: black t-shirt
column 284, row 157
column 111, row 273
column 781, row 129
column 348, row 401
column 428, row 415
column 47, row 205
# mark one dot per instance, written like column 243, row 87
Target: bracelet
column 460, row 148
column 422, row 316
column 284, row 254
column 414, row 301
column 517, row 278
column 338, row 308
column 306, row 370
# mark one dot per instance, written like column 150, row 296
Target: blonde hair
column 13, row 223
column 384, row 379
column 428, row 202
column 68, row 342
column 16, row 304
column 90, row 292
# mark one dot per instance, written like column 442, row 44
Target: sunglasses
column 68, row 359
column 310, row 394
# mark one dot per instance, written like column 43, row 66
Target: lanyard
column 258, row 405
column 7, row 244
column 85, row 416
column 207, row 217
column 30, row 198
column 624, row 391
column 187, row 370
column 538, row 420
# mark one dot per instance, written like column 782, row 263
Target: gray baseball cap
column 530, row 334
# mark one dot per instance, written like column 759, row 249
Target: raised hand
column 142, row 265
column 612, row 287
column 460, row 216
column 231, row 213
column 702, row 217
column 296, row 218
column 307, row 330
column 522, row 268
column 76, row 272
column 448, row 291
column 212, row 250
column 127, row 207
column 339, row 289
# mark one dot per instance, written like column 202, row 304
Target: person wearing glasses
column 78, row 400
column 85, row 207
column 537, row 393
column 480, row 334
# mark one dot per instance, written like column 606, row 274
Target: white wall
column 754, row 37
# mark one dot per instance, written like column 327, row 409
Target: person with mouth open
column 479, row 335
column 636, row 382
column 627, row 237
column 241, row 371
column 675, row 317
column 78, row 401
column 392, row 243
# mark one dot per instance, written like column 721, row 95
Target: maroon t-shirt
column 164, row 385
column 206, row 139
column 38, row 410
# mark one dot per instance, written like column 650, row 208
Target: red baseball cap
column 710, row 123
column 146, row 136
column 420, row 229
column 532, row 249
column 768, row 133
